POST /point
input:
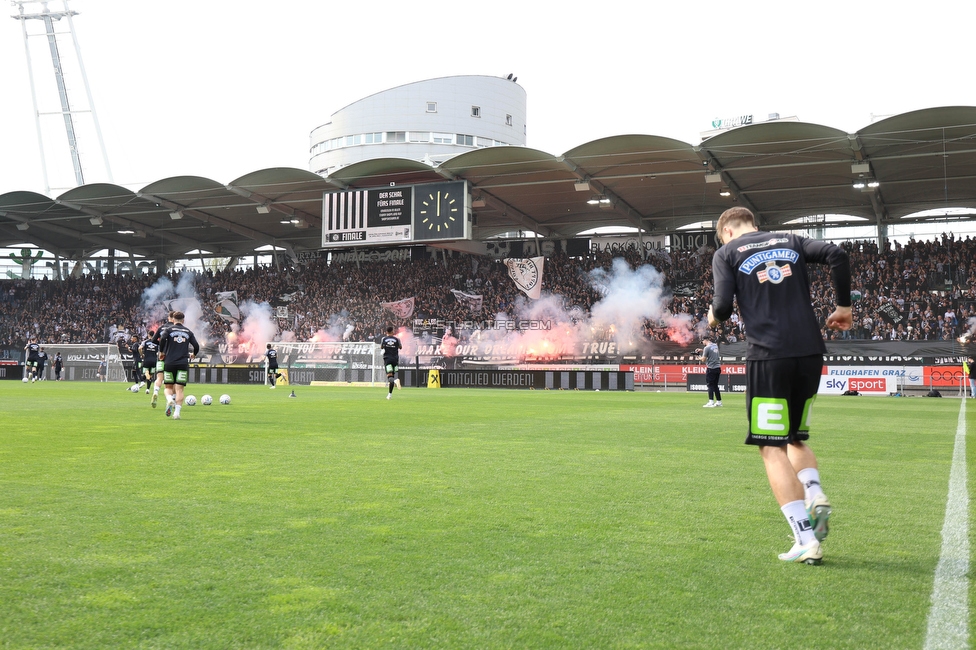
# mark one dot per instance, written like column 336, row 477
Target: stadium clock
column 439, row 211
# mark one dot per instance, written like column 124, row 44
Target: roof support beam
column 129, row 224
column 633, row 215
column 206, row 217
column 283, row 208
column 100, row 242
column 713, row 165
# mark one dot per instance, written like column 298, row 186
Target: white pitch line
column 948, row 627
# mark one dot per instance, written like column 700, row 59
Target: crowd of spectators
column 918, row 291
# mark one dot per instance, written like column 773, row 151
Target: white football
column 190, row 400
column 25, row 380
column 206, row 400
column 225, row 399
column 134, row 388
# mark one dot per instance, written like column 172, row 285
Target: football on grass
column 190, row 400
column 225, row 399
column 206, row 400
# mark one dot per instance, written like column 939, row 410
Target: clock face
column 440, row 211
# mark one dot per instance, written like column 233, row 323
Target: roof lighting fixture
column 582, row 186
column 593, row 200
column 873, row 184
column 23, row 226
column 176, row 215
column 713, row 177
column 725, row 192
column 96, row 221
column 264, row 209
column 126, row 232
column 859, row 185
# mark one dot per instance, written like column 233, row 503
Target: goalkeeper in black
column 391, row 359
column 766, row 274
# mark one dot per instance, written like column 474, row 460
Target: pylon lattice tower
column 30, row 14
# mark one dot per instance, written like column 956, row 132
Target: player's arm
column 839, row 261
column 722, row 300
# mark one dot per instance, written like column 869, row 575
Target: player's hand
column 712, row 321
column 841, row 319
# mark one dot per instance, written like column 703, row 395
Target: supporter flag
column 186, row 305
column 471, row 301
column 527, row 274
column 227, row 307
column 890, row 313
column 401, row 308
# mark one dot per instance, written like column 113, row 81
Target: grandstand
column 463, row 307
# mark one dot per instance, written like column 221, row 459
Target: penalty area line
column 948, row 622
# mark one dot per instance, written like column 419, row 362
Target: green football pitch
column 455, row 519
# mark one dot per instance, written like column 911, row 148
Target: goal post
column 81, row 361
column 347, row 362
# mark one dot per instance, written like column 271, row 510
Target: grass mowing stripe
column 949, row 617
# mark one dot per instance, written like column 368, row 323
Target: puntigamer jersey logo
column 765, row 257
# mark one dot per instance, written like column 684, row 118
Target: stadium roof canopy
column 781, row 170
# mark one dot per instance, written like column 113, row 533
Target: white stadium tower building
column 429, row 121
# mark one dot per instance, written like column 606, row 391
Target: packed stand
column 930, row 286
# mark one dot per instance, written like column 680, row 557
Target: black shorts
column 178, row 373
column 779, row 394
column 392, row 365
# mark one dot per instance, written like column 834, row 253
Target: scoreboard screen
column 398, row 214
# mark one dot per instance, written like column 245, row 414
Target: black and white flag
column 890, row 313
column 527, row 274
column 471, row 301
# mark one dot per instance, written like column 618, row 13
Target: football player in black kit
column 766, row 274
column 148, row 350
column 391, row 359
column 271, row 365
column 177, row 346
column 30, row 369
column 41, row 362
column 159, row 362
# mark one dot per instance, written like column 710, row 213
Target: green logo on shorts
column 770, row 417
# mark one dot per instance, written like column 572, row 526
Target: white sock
column 810, row 478
column 177, row 411
column 796, row 516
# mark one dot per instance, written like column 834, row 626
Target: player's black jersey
column 42, row 357
column 391, row 345
column 32, row 350
column 149, row 350
column 767, row 275
column 175, row 344
column 272, row 356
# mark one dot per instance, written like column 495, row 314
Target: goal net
column 81, row 361
column 339, row 362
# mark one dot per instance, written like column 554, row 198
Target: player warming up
column 766, row 273
column 271, row 365
column 32, row 349
column 177, row 347
column 156, row 338
column 391, row 359
column 148, row 349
